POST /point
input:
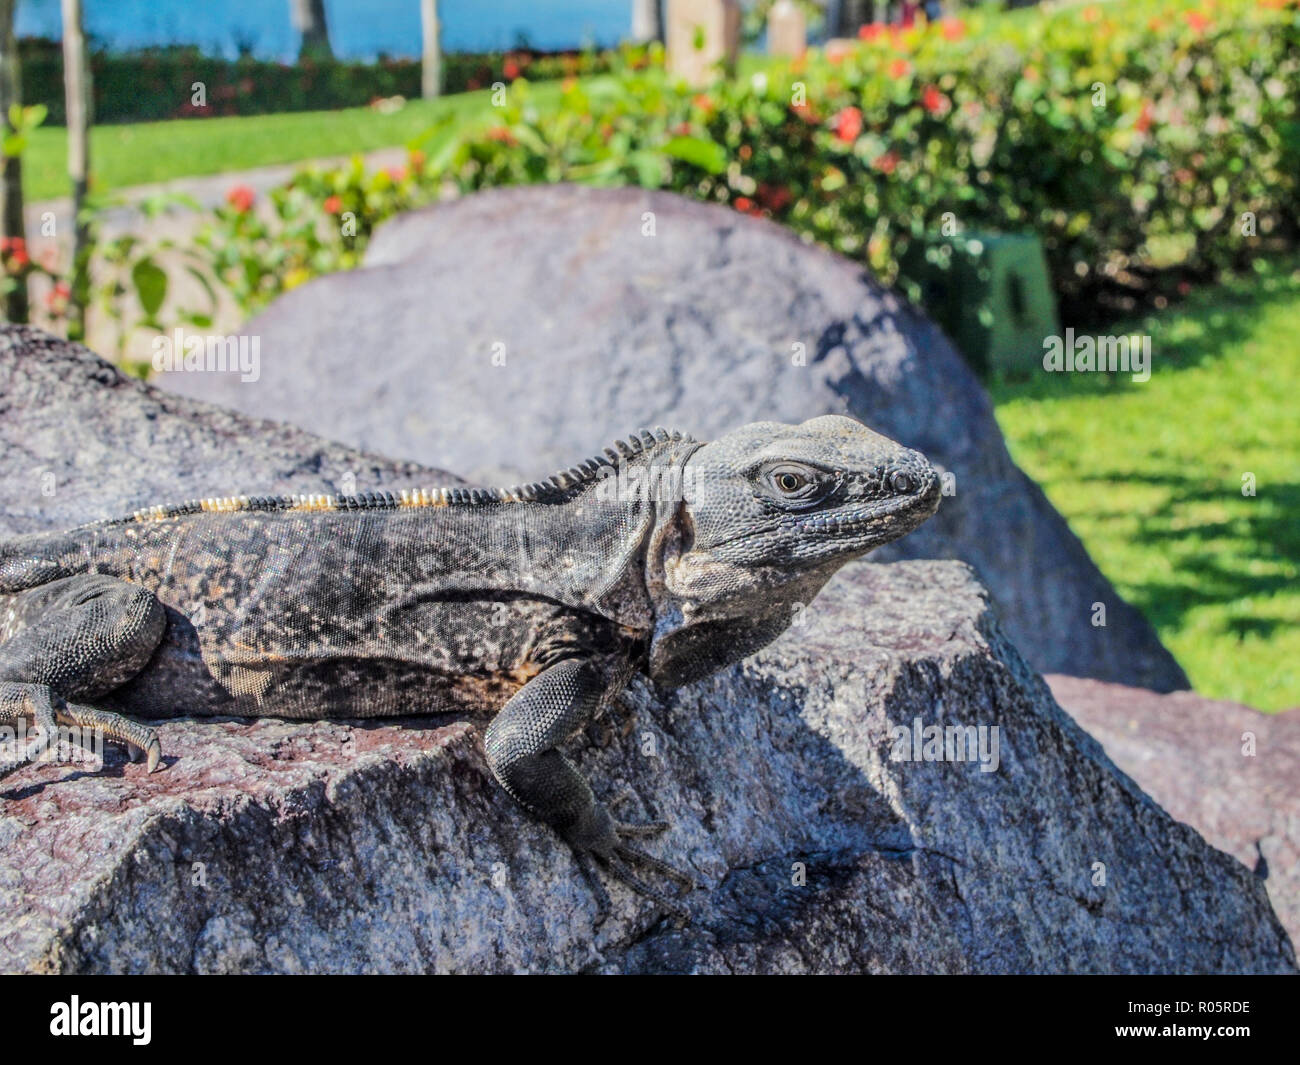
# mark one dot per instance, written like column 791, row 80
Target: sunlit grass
column 148, row 152
column 1150, row 477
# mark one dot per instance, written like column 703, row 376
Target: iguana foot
column 618, row 858
column 78, row 637
column 140, row 741
column 47, row 712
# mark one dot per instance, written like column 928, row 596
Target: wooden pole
column 431, row 74
column 11, row 171
column 76, row 83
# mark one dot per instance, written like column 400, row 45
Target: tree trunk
column 76, row 83
column 647, row 21
column 309, row 20
column 431, row 72
column 11, row 171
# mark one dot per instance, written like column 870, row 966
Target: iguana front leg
column 77, row 638
column 522, row 752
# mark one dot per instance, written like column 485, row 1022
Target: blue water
column 359, row 29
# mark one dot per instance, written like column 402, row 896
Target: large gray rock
column 604, row 329
column 291, row 846
column 1226, row 769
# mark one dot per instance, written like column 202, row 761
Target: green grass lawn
column 148, row 152
column 1149, row 475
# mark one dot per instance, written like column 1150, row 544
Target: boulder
column 274, row 846
column 1226, row 769
column 517, row 331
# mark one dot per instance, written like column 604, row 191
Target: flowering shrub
column 1127, row 136
column 319, row 222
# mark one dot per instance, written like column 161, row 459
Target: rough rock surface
column 603, row 329
column 79, row 442
column 1229, row 771
column 309, row 846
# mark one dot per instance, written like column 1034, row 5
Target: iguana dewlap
column 662, row 555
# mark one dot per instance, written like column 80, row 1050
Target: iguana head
column 770, row 512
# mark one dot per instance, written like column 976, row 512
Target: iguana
column 664, row 555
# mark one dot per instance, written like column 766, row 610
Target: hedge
column 155, row 84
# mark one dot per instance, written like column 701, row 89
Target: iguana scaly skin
column 662, row 555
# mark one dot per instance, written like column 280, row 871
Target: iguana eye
column 900, row 482
column 792, row 483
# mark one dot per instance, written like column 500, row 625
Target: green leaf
column 708, row 155
column 150, row 282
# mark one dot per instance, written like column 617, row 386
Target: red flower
column 774, row 197
column 899, row 68
column 886, row 163
column 58, row 296
column 934, row 101
column 333, row 205
column 1198, row 21
column 953, row 29
column 241, row 198
column 500, row 133
column 17, row 249
column 871, row 31
column 510, row 69
column 397, row 173
column 848, row 125
column 704, row 102
column 1143, row 122
column 743, row 203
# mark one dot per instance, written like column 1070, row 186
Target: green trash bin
column 990, row 293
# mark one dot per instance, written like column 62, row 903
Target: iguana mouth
column 833, row 523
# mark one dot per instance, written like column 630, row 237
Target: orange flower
column 848, row 124
column 743, row 203
column 1198, row 21
column 806, row 113
column 333, row 205
column 704, row 102
column 241, row 198
column 416, row 158
column 899, row 68
column 1143, row 122
column 500, row 133
column 510, row 69
column 872, row 31
column 1091, row 14
column 953, row 29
